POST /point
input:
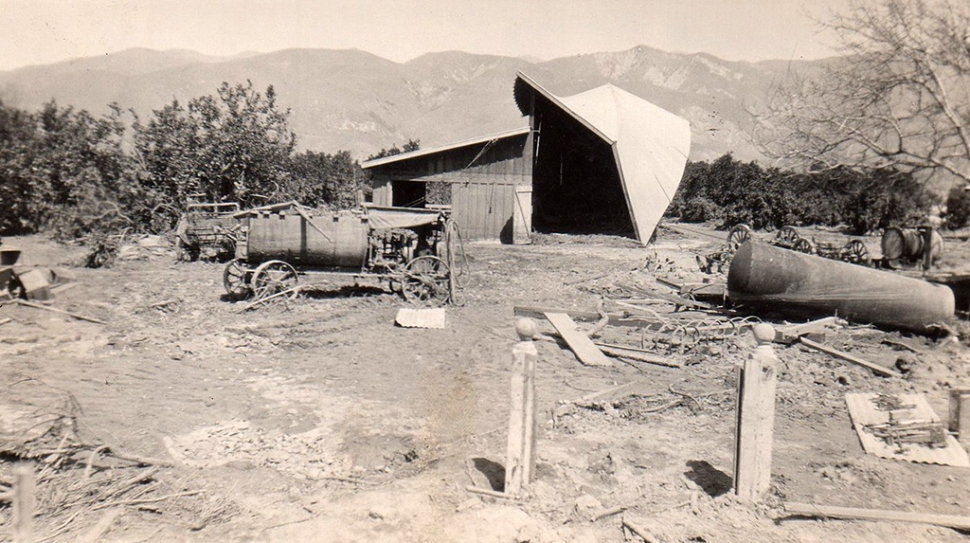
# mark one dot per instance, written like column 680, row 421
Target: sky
column 47, row 31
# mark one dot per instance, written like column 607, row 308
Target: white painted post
column 23, row 503
column 755, row 418
column 520, row 455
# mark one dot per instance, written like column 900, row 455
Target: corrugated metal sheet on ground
column 863, row 411
column 421, row 318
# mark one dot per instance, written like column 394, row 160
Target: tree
column 233, row 147
column 899, row 97
column 411, row 145
column 319, row 179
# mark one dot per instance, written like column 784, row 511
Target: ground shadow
column 493, row 471
column 344, row 291
column 712, row 481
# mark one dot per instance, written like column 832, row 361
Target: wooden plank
column 755, row 422
column 790, row 334
column 585, row 350
column 850, row 358
column 854, row 513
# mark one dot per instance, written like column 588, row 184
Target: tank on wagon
column 410, row 249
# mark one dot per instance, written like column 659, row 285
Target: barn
column 601, row 161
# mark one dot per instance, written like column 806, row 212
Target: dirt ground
column 320, row 420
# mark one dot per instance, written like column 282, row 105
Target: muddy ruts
column 791, row 283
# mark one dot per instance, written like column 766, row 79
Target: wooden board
column 587, row 353
column 863, row 412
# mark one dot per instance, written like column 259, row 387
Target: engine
column 390, row 249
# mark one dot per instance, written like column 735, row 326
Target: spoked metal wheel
column 427, row 279
column 738, row 234
column 805, row 246
column 273, row 277
column 855, row 252
column 787, row 236
column 235, row 278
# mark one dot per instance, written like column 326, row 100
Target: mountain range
column 356, row 101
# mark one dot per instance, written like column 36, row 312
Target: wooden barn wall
column 483, row 210
column 482, row 183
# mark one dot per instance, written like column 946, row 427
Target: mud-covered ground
column 320, row 420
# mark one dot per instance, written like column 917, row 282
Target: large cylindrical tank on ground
column 787, row 282
column 910, row 245
column 337, row 240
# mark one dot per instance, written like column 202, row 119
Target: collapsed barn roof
column 649, row 144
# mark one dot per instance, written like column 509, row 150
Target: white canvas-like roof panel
column 650, row 146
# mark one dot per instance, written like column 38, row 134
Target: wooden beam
column 579, row 343
column 635, row 354
column 849, row 358
column 853, row 513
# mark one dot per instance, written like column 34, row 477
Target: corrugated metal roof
column 864, row 412
column 650, row 144
column 422, row 152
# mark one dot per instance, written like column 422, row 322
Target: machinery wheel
column 804, row 246
column 855, row 252
column 273, row 277
column 787, row 236
column 738, row 234
column 426, row 279
column 235, row 278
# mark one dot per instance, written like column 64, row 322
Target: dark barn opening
column 408, row 194
column 576, row 186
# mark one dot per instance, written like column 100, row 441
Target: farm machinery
column 901, row 247
column 207, row 229
column 414, row 251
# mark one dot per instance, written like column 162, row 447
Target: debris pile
column 77, row 484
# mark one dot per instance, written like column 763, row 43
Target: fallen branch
column 142, row 501
column 640, row 531
column 853, row 513
column 849, row 358
column 610, row 512
column 55, row 310
column 492, row 493
column 256, row 303
column 637, row 355
column 4, row 321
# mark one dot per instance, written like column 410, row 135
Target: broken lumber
column 4, row 321
column 635, row 354
column 615, row 319
column 886, row 372
column 579, row 343
column 61, row 311
column 854, row 513
column 790, row 334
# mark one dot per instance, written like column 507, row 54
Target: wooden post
column 755, row 418
column 960, row 415
column 520, row 455
column 23, row 503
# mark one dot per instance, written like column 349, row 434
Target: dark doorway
column 408, row 194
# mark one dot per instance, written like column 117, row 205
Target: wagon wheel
column 805, row 246
column 855, row 252
column 738, row 234
column 273, row 277
column 426, row 279
column 235, row 278
column 787, row 237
